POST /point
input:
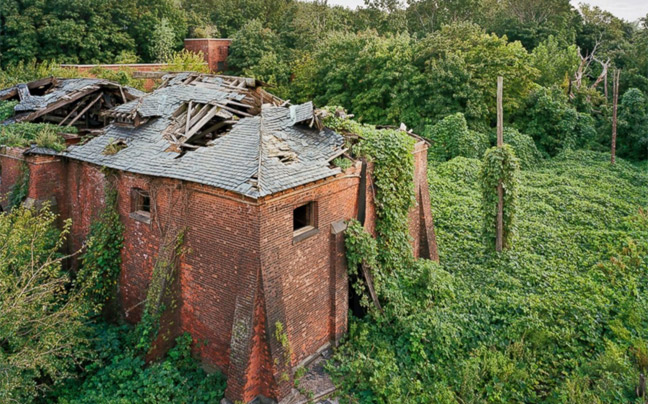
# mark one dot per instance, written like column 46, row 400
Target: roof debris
column 67, row 102
column 222, row 131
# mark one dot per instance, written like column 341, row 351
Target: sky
column 630, row 10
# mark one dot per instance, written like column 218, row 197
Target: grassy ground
column 562, row 317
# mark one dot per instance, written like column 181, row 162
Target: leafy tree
column 553, row 123
column 250, row 43
column 556, row 61
column 43, row 334
column 632, row 141
column 66, row 30
column 163, row 41
column 451, row 138
column 459, row 66
column 531, row 21
column 425, row 16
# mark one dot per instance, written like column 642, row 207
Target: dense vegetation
column 54, row 342
column 558, row 317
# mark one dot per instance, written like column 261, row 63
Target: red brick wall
column 214, row 50
column 421, row 224
column 221, row 267
column 297, row 274
column 11, row 159
column 242, row 272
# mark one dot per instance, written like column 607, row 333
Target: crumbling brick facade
column 261, row 280
column 245, row 281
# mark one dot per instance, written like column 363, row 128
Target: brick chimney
column 214, row 49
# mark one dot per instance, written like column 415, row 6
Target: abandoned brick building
column 248, row 177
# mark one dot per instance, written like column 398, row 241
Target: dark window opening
column 141, row 205
column 304, row 217
column 212, row 130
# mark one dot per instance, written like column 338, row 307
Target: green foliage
column 391, row 152
column 500, row 166
column 250, row 44
column 451, row 138
column 460, row 65
column 123, row 76
column 7, row 109
column 118, row 376
column 24, row 134
column 342, row 162
column 555, row 124
column 400, row 282
column 29, row 70
column 632, row 140
column 43, row 335
column 101, row 260
column 163, row 40
column 92, row 31
column 524, row 147
column 555, row 61
column 361, row 248
column 20, row 189
column 560, row 317
column 185, row 61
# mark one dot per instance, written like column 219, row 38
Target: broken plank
column 70, row 114
column 203, row 110
column 85, row 110
column 189, row 106
column 201, row 123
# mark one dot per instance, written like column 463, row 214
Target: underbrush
column 561, row 317
column 118, row 374
column 25, row 134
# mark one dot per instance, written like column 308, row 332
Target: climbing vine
column 390, row 255
column 101, row 260
column 161, row 280
column 499, row 164
column 20, row 189
column 360, row 248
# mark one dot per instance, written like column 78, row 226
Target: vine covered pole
column 615, row 102
column 499, row 235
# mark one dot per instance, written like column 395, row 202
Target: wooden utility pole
column 615, row 101
column 499, row 236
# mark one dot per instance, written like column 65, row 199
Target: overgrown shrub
column 119, row 376
column 523, row 145
column 7, row 109
column 24, row 134
column 451, row 138
column 187, row 61
column 559, row 317
column 500, row 165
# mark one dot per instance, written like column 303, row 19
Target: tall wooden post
column 499, row 236
column 615, row 102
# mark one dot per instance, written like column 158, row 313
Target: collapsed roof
column 222, row 131
column 67, row 102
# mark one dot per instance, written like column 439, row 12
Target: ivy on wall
column 398, row 279
column 20, row 189
column 161, row 280
column 101, row 260
column 500, row 164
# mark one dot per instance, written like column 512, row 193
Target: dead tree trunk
column 499, row 236
column 615, row 102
